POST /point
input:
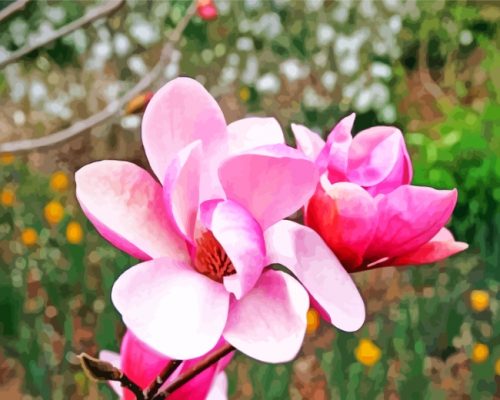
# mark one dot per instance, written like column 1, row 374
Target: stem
column 162, row 377
column 132, row 386
column 195, row 370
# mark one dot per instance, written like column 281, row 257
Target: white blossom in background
column 137, row 65
column 244, row 43
column 37, row 92
column 249, row 74
column 324, row 34
column 293, row 70
column 18, row 30
column 142, row 31
column 268, row 83
column 121, row 44
column 329, row 79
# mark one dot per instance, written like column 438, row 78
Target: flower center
column 210, row 259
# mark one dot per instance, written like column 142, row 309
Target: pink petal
column 335, row 154
column 248, row 133
column 441, row 246
column 114, row 359
column 269, row 323
column 378, row 156
column 171, row 307
column 409, row 217
column 218, row 391
column 182, row 189
column 271, row 182
column 140, row 362
column 125, row 204
column 309, row 142
column 345, row 216
column 182, row 112
column 242, row 239
column 303, row 251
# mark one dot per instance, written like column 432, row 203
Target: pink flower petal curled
column 269, row 323
column 409, row 217
column 218, row 391
column 271, row 182
column 115, row 360
column 182, row 189
column 378, row 157
column 345, row 216
column 181, row 112
column 334, row 156
column 171, row 307
column 309, row 142
column 248, row 133
column 242, row 239
column 125, row 204
column 303, row 251
column 441, row 246
column 140, row 362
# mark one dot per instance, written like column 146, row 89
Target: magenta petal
column 309, row 142
column 114, row 359
column 180, row 113
column 271, row 182
column 140, row 362
column 345, row 216
column 241, row 237
column 125, row 204
column 303, row 251
column 335, row 154
column 171, row 307
column 378, row 156
column 409, row 217
column 218, row 391
column 182, row 189
column 269, row 323
column 441, row 246
column 248, row 133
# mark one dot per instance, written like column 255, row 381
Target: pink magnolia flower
column 142, row 365
column 364, row 206
column 206, row 9
column 205, row 231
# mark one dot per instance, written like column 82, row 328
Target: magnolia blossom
column 142, row 365
column 364, row 206
column 208, row 233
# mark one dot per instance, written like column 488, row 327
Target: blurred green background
column 431, row 68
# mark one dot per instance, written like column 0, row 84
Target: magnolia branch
column 92, row 15
column 12, row 8
column 80, row 127
column 185, row 377
column 162, row 377
column 100, row 371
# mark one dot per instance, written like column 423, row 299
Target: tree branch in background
column 424, row 75
column 111, row 109
column 185, row 377
column 94, row 14
column 102, row 371
column 12, row 8
column 162, row 377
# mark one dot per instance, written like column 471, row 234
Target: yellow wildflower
column 29, row 236
column 367, row 352
column 313, row 320
column 479, row 300
column 54, row 212
column 480, row 353
column 59, row 181
column 8, row 197
column 244, row 94
column 74, row 232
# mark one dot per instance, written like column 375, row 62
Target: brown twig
column 102, row 371
column 424, row 75
column 195, row 370
column 12, row 8
column 94, row 14
column 20, row 146
column 162, row 377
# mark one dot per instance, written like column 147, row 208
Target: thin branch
column 101, row 371
column 162, row 377
column 107, row 8
column 195, row 370
column 113, row 108
column 424, row 75
column 12, row 8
